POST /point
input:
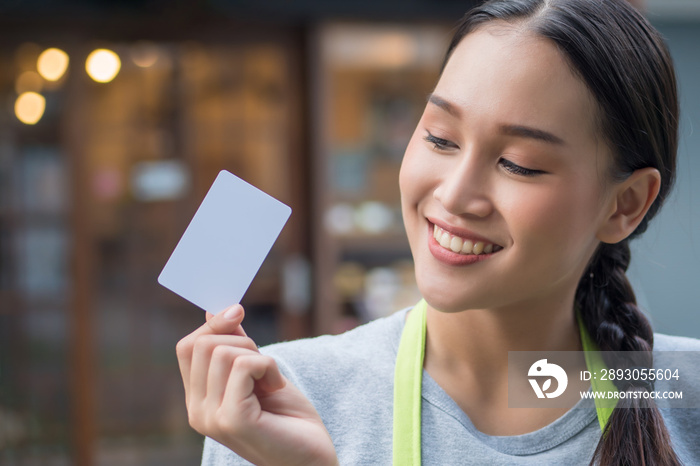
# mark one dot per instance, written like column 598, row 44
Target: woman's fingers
column 209, row 413
column 219, row 368
column 251, row 376
column 226, row 324
column 221, row 364
column 205, row 347
column 239, row 397
column 262, row 370
column 267, row 420
column 227, row 321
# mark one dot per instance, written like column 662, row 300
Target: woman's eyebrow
column 531, row 133
column 445, row 105
column 510, row 130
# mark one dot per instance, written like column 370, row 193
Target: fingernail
column 232, row 312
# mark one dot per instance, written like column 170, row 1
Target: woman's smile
column 457, row 246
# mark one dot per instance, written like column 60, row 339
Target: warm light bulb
column 29, row 107
column 103, row 65
column 52, row 64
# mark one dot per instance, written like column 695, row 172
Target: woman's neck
column 467, row 354
column 476, row 342
column 481, row 338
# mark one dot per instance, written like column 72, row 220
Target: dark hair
column 626, row 66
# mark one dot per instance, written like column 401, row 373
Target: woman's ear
column 631, row 201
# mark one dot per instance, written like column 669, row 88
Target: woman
column 547, row 144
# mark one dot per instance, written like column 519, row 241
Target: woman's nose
column 464, row 188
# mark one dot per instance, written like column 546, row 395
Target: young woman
column 547, row 144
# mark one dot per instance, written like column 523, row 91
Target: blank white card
column 225, row 244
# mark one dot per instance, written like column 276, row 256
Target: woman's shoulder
column 372, row 345
column 663, row 342
column 381, row 331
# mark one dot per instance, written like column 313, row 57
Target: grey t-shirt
column 349, row 379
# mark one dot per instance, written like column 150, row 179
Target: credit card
column 225, row 244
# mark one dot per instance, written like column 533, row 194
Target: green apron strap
column 408, row 380
column 595, row 364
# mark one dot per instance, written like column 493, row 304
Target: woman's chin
column 445, row 302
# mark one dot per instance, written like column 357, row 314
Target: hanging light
column 52, row 64
column 29, row 107
column 102, row 65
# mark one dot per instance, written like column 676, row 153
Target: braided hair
column 626, row 66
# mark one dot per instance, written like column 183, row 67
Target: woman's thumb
column 227, row 321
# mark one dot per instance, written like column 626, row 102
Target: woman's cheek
column 413, row 175
column 548, row 212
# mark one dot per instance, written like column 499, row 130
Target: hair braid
column 635, row 433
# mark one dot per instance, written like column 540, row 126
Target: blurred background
column 115, row 118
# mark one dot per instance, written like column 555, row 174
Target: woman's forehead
column 509, row 73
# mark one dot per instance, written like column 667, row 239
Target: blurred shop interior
column 117, row 116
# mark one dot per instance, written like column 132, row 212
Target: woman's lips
column 453, row 249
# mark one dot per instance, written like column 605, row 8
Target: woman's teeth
column 462, row 246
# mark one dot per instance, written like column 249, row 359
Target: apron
column 408, row 380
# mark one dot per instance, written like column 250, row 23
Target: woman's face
column 507, row 170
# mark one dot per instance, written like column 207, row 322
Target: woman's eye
column 439, row 143
column 518, row 170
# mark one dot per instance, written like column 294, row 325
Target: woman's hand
column 239, row 398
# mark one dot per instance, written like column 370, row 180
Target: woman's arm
column 239, row 398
